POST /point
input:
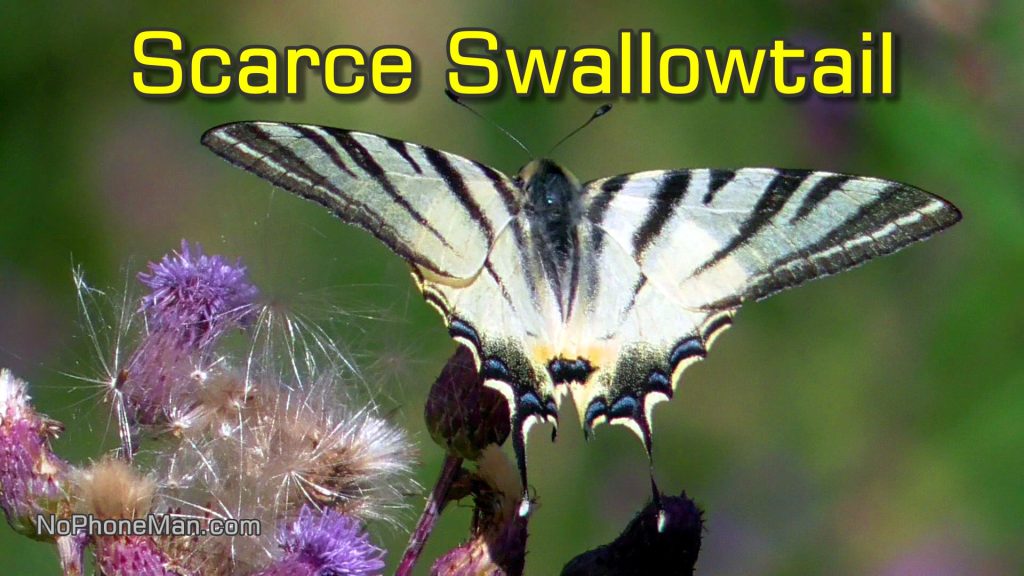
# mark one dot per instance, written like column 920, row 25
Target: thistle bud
column 462, row 414
column 643, row 549
column 32, row 477
column 112, row 490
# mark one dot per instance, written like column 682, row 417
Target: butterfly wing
column 506, row 317
column 705, row 241
column 439, row 211
column 457, row 222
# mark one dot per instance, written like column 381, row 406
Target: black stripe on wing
column 326, row 147
column 249, row 147
column 604, row 198
column 402, row 148
column 717, row 179
column 768, row 205
column 899, row 216
column 599, row 205
column 369, row 164
column 671, row 191
column 500, row 183
column 819, row 193
column 457, row 186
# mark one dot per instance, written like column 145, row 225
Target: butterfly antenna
column 455, row 98
column 597, row 114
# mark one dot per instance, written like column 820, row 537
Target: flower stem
column 71, row 550
column 435, row 504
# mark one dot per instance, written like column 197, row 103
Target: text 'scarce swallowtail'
column 606, row 290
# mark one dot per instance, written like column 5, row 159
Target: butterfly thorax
column 553, row 210
column 554, row 204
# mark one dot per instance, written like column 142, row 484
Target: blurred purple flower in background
column 828, row 123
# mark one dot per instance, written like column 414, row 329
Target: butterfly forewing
column 724, row 237
column 439, row 211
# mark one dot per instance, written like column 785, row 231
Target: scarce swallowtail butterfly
column 605, row 290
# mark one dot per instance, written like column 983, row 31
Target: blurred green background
column 866, row 424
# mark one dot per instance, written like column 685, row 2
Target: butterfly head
column 552, row 191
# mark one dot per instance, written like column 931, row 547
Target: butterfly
column 604, row 291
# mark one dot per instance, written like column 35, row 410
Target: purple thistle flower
column 31, row 476
column 194, row 298
column 196, row 295
column 131, row 556
column 326, row 543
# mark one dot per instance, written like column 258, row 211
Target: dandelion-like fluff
column 212, row 430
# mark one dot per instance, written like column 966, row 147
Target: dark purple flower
column 462, row 414
column 196, row 295
column 326, row 543
column 31, row 475
column 644, row 549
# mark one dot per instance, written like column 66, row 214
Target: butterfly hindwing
column 635, row 338
column 704, row 241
